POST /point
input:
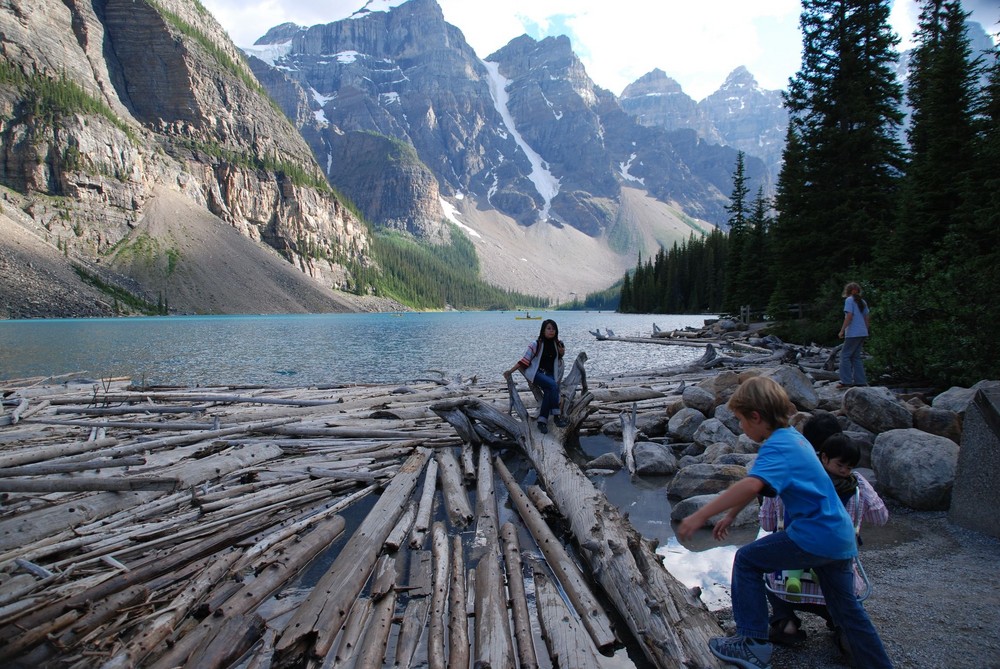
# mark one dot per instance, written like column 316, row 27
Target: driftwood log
column 670, row 624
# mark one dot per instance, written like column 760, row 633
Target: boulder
column 725, row 414
column 714, row 451
column 700, row 399
column 651, row 424
column 741, row 459
column 942, row 422
column 653, row 459
column 685, row 423
column 976, row 494
column 916, row 468
column 745, row 444
column 748, row 517
column 876, row 409
column 704, row 479
column 711, row 431
column 606, row 461
column 798, row 386
column 865, row 441
column 957, row 398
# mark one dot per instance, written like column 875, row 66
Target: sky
column 696, row 43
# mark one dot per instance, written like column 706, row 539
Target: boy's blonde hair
column 766, row 397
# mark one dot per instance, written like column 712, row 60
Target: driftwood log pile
column 356, row 526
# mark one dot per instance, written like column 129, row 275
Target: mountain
column 740, row 114
column 144, row 165
column 541, row 167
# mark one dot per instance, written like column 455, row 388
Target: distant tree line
column 916, row 223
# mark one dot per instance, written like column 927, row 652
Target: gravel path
column 935, row 600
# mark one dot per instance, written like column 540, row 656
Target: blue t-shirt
column 816, row 520
column 857, row 326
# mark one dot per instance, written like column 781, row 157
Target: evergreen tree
column 737, row 209
column 942, row 84
column 838, row 184
column 754, row 283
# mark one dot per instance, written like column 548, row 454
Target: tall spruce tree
column 837, row 188
column 942, row 85
column 737, row 209
column 938, row 242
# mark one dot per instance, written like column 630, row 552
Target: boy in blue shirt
column 819, row 533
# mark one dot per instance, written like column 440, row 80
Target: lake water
column 303, row 350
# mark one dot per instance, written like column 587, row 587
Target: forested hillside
column 917, row 225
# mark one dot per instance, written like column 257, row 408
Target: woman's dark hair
column 841, row 446
column 820, row 426
column 541, row 330
column 853, row 289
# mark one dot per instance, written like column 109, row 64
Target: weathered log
column 439, row 599
column 541, row 501
column 384, row 578
column 354, row 628
column 494, row 647
column 99, row 463
column 108, row 483
column 314, row 626
column 518, row 599
column 411, row 627
column 115, row 398
column 671, row 626
column 425, row 507
column 156, row 631
column 456, row 499
column 45, row 453
column 458, row 620
column 628, row 440
column 134, row 408
column 574, row 583
column 568, row 643
column 373, row 647
column 402, row 528
column 234, row 637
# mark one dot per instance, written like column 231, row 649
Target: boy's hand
column 688, row 527
column 721, row 529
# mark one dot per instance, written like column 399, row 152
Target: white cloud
column 696, row 43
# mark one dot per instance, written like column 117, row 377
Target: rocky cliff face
column 740, row 114
column 103, row 105
column 523, row 131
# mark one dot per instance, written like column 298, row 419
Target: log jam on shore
column 358, row 525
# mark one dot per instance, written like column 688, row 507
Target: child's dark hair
column 841, row 446
column 766, row 397
column 820, row 426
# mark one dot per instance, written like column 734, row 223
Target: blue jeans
column 777, row 552
column 852, row 367
column 550, row 396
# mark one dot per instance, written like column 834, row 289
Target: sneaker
column 740, row 651
column 543, row 427
column 561, row 422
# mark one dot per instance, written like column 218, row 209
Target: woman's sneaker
column 561, row 422
column 543, row 427
column 741, row 651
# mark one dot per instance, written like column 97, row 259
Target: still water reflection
column 320, row 349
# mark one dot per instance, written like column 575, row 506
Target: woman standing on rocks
column 854, row 331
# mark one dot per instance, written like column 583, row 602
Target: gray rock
column 652, row 459
column 877, row 409
column 741, row 459
column 976, row 494
column 700, row 399
column 798, row 386
column 687, row 461
column 712, row 431
column 715, row 451
column 942, row 422
column 865, row 441
column 916, row 468
column 728, row 418
column 704, row 479
column 685, row 423
column 745, row 444
column 606, row 461
column 684, row 508
column 957, row 398
column 652, row 424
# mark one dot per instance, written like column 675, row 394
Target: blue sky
column 697, row 43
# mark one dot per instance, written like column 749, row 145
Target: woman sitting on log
column 542, row 365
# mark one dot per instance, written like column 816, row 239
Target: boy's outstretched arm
column 734, row 498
